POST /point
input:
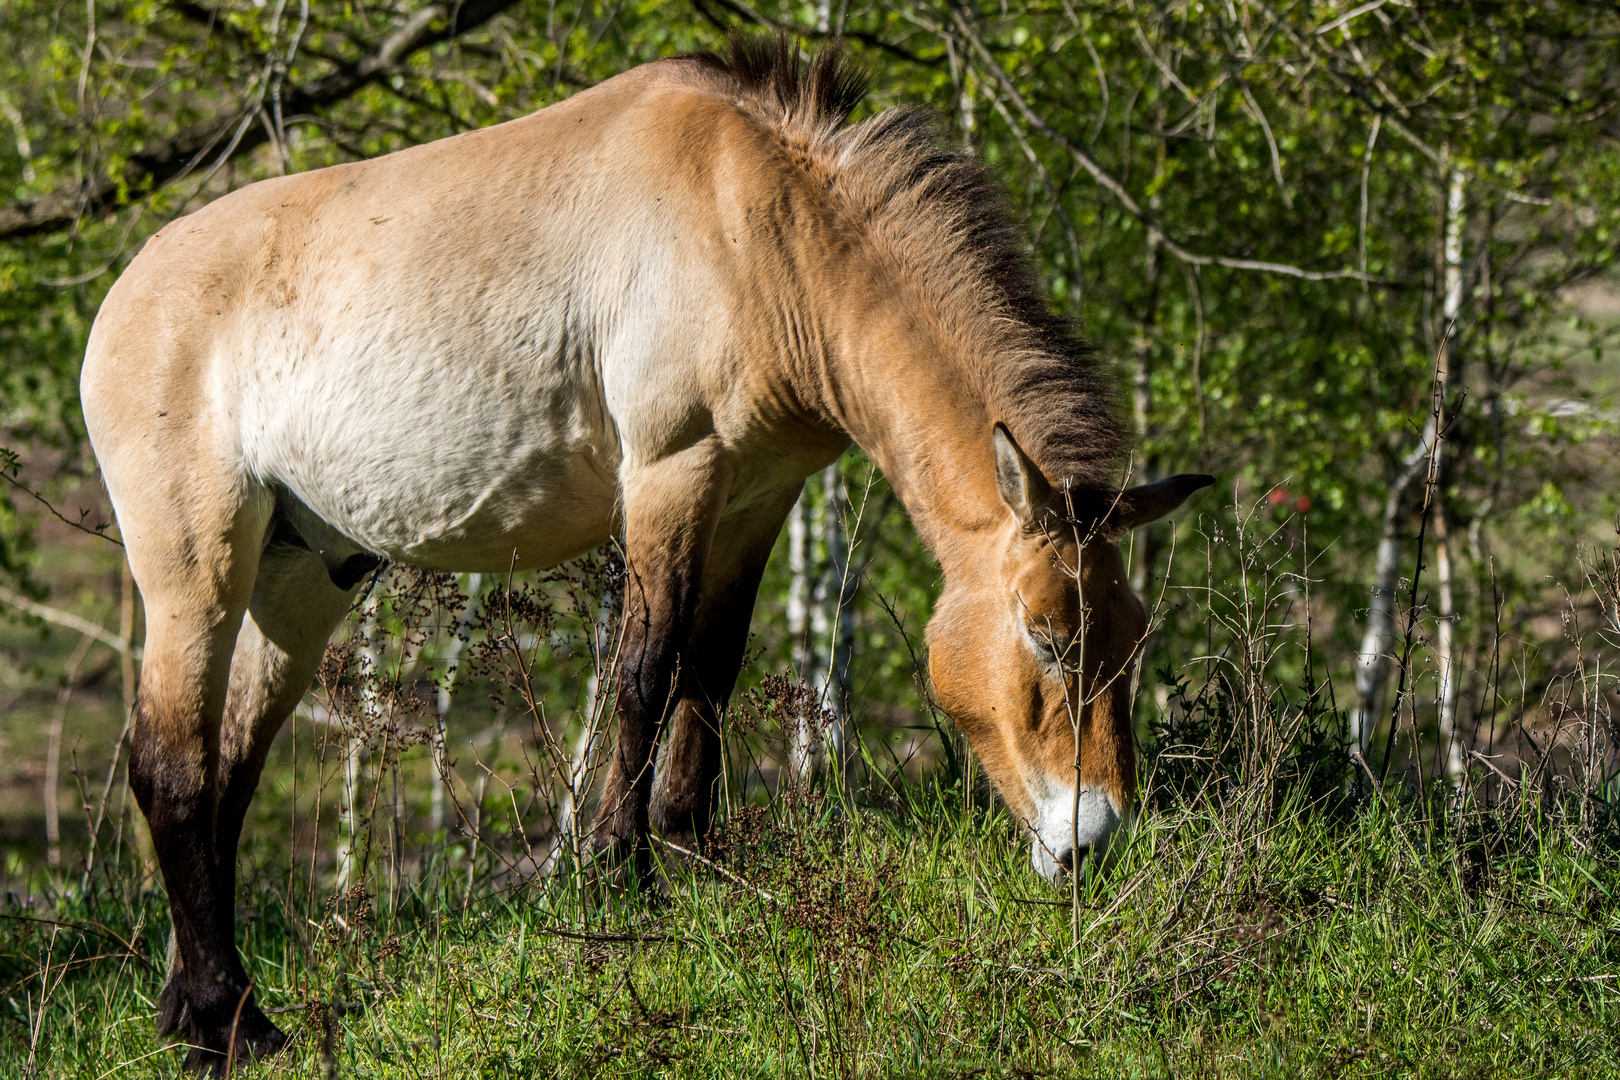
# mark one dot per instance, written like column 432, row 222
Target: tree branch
column 1107, row 181
column 173, row 158
column 69, row 620
column 741, row 9
column 8, row 469
column 1331, row 65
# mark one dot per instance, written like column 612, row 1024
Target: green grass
column 1259, row 921
column 916, row 942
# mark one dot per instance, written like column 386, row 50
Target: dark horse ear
column 1150, row 502
column 1023, row 487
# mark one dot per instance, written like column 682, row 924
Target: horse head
column 1032, row 653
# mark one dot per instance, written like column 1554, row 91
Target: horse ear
column 1023, row 487
column 1150, row 502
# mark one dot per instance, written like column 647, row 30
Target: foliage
column 1245, row 204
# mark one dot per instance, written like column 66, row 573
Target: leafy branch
column 178, row 156
column 11, row 464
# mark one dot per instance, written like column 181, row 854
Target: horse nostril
column 1069, row 860
column 1057, row 864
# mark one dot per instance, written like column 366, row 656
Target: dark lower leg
column 208, row 1001
column 621, row 825
column 256, row 1034
column 686, row 789
column 688, row 770
column 237, row 784
column 671, row 509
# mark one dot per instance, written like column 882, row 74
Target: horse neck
column 904, row 393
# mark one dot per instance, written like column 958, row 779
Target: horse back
column 451, row 351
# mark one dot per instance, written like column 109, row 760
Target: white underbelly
column 437, row 458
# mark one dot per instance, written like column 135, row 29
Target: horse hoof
column 256, row 1039
column 173, row 1011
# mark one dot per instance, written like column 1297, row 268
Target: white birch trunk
column 1142, row 410
column 1445, row 637
column 820, row 623
column 53, row 758
column 452, row 653
column 838, row 597
column 968, row 107
column 1445, row 647
column 354, row 750
column 582, row 753
column 800, row 587
column 1372, row 659
column 821, row 627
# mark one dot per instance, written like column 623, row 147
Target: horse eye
column 1048, row 649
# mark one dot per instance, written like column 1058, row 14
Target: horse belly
column 442, row 461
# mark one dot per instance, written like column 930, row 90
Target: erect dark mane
column 818, row 93
column 940, row 214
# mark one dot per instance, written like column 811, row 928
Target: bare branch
column 8, row 468
column 1107, row 181
column 1353, row 13
column 1314, row 50
column 742, row 10
column 1276, row 155
column 69, row 620
column 175, row 157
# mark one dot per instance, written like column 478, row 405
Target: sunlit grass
column 912, row 943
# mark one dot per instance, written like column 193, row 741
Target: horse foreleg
column 689, row 766
column 671, row 507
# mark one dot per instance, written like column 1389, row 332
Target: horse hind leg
column 194, row 549
column 293, row 609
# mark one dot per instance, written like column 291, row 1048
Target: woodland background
column 1356, row 259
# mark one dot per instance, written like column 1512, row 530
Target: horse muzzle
column 1070, row 830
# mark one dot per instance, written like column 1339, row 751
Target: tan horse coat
column 654, row 309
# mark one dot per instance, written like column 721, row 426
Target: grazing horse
column 651, row 310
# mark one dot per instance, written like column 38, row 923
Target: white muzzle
column 1059, row 831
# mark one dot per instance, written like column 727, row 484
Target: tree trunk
column 452, row 653
column 1445, row 648
column 354, row 750
column 577, row 784
column 1142, row 409
column 1445, row 637
column 837, row 602
column 53, row 754
column 1372, row 660
column 800, row 595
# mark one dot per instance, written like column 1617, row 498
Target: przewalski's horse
column 652, row 309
